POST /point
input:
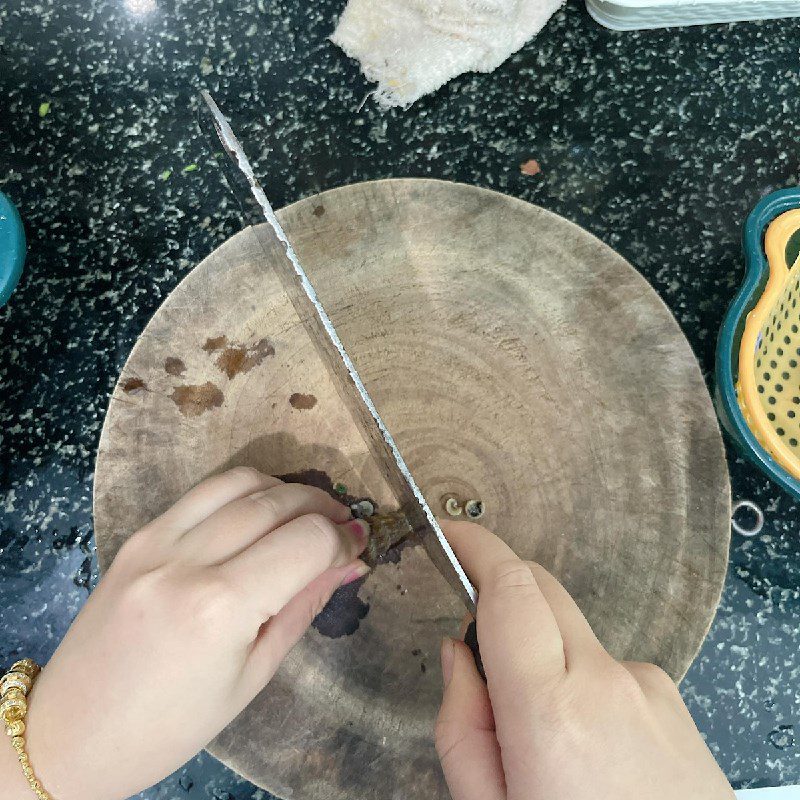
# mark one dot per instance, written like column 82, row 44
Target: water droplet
column 782, row 737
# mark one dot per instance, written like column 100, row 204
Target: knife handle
column 471, row 641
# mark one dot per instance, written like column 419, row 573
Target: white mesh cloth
column 412, row 47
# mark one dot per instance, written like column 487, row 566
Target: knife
column 382, row 447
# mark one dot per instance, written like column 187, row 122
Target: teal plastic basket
column 12, row 248
column 730, row 336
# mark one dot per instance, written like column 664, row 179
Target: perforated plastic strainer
column 769, row 378
column 758, row 353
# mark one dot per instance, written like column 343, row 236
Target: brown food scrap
column 133, row 386
column 192, row 401
column 386, row 531
column 530, row 167
column 215, row 343
column 235, row 359
column 302, row 402
column 319, row 210
column 174, row 366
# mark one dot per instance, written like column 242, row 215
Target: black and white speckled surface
column 658, row 142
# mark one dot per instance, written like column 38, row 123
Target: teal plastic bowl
column 12, row 248
column 730, row 336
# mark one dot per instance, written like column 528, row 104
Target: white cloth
column 412, row 47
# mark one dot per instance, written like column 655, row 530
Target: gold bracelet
column 14, row 688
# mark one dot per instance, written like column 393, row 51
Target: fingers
column 211, row 495
column 580, row 643
column 240, row 523
column 278, row 566
column 659, row 689
column 465, row 733
column 520, row 640
column 282, row 632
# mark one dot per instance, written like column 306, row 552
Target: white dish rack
column 626, row 15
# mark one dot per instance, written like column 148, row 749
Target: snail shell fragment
column 386, row 530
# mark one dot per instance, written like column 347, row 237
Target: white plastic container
column 626, row 15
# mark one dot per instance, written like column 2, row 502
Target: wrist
column 49, row 752
column 11, row 777
column 15, row 690
column 23, row 691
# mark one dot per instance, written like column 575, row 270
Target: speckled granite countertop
column 657, row 142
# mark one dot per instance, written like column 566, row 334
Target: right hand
column 558, row 717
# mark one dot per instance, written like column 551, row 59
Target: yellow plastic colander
column 768, row 386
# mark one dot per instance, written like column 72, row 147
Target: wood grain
column 517, row 360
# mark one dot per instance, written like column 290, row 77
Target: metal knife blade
column 352, row 391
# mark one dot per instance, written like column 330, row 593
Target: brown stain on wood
column 214, row 343
column 192, row 401
column 234, row 359
column 302, row 402
column 231, row 360
column 133, row 386
column 174, row 366
column 318, row 210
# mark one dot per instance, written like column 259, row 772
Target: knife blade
column 352, row 391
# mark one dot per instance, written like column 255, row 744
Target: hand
column 558, row 716
column 188, row 625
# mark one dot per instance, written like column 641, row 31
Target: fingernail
column 358, row 571
column 345, row 515
column 465, row 623
column 360, row 529
column 448, row 656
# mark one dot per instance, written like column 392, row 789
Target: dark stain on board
column 318, row 210
column 302, row 402
column 192, row 401
column 133, row 386
column 174, row 366
column 343, row 613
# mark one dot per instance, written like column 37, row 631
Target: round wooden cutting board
column 517, row 360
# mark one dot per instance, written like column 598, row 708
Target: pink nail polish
column 360, row 529
column 357, row 572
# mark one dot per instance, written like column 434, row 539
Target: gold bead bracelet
column 14, row 688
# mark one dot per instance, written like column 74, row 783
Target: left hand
column 188, row 625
